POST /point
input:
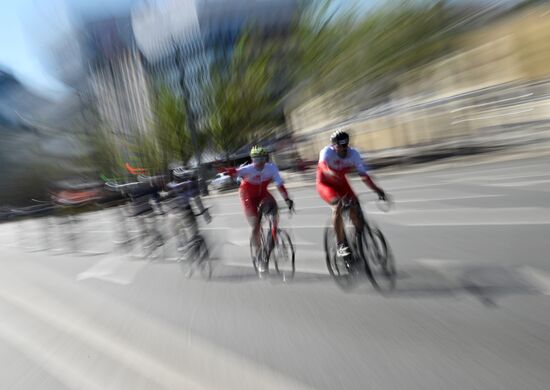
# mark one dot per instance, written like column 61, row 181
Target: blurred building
column 116, row 76
column 495, row 82
column 39, row 140
column 99, row 59
column 182, row 39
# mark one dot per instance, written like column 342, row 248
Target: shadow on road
column 487, row 283
column 240, row 274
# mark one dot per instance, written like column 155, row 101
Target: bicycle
column 193, row 253
column 148, row 237
column 273, row 240
column 370, row 252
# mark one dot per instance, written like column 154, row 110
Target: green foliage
column 167, row 140
column 170, row 140
column 106, row 152
column 243, row 97
column 326, row 51
column 343, row 51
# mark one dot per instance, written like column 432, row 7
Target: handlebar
column 383, row 205
column 120, row 187
column 149, row 179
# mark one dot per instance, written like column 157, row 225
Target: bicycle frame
column 273, row 220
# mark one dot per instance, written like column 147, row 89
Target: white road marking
column 115, row 269
column 538, row 278
column 438, row 263
column 390, row 190
column 207, row 228
column 287, row 227
column 437, row 199
column 39, row 351
column 233, row 371
column 459, row 216
column 478, row 223
column 320, row 207
column 519, row 183
column 299, row 267
column 124, row 353
column 489, row 171
column 491, row 178
column 246, row 243
column 522, row 176
column 470, row 216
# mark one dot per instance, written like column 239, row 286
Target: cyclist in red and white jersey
column 335, row 162
column 255, row 179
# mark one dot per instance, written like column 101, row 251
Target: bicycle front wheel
column 283, row 256
column 379, row 259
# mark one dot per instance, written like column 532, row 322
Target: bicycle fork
column 272, row 237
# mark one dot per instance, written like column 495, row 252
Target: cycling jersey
column 254, row 183
column 332, row 169
column 331, row 173
column 183, row 191
column 141, row 195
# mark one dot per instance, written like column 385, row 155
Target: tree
column 169, row 139
column 327, row 50
column 243, row 96
column 106, row 153
column 342, row 51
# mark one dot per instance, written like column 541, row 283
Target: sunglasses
column 259, row 160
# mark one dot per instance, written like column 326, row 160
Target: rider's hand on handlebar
column 290, row 204
column 382, row 195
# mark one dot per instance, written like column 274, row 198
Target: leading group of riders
column 335, row 161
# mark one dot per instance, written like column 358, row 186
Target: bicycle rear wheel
column 342, row 273
column 379, row 259
column 202, row 261
column 196, row 258
column 283, row 256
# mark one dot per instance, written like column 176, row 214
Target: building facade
column 116, row 77
column 182, row 39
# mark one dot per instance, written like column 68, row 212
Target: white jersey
column 252, row 176
column 329, row 158
column 254, row 182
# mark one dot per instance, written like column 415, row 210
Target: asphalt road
column 470, row 311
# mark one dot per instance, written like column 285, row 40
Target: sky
column 29, row 27
column 17, row 54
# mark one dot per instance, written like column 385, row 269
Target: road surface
column 471, row 309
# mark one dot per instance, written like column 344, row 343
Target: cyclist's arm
column 371, row 184
column 367, row 179
column 233, row 172
column 280, row 184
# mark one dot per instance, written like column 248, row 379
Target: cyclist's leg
column 269, row 207
column 190, row 220
column 250, row 207
column 200, row 208
column 355, row 210
column 332, row 197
